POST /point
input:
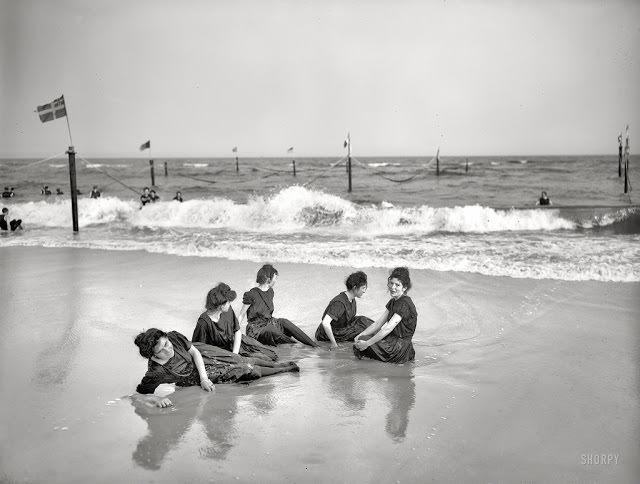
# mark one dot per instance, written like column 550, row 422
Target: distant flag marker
column 290, row 150
column 53, row 110
column 145, row 146
column 235, row 149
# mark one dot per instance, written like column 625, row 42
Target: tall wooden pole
column 349, row 159
column 626, row 162
column 620, row 155
column 74, row 187
column 294, row 167
column 153, row 177
column 166, row 171
column 237, row 165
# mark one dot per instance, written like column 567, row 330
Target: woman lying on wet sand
column 173, row 359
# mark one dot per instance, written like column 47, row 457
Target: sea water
column 477, row 215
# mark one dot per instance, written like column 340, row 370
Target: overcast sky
column 477, row 77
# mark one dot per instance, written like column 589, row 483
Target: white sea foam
column 297, row 224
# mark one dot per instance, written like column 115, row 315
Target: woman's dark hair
column 147, row 340
column 402, row 274
column 266, row 273
column 355, row 280
column 218, row 296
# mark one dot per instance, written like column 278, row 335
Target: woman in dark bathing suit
column 339, row 321
column 389, row 338
column 218, row 326
column 173, row 359
column 258, row 309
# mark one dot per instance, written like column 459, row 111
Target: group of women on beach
column 219, row 353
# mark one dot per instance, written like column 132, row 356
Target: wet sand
column 515, row 380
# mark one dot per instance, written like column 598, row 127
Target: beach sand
column 515, row 380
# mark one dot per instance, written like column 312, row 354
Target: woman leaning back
column 174, row 359
column 219, row 326
column 389, row 338
column 339, row 320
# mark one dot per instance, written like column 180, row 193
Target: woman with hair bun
column 173, row 359
column 389, row 338
column 219, row 326
column 257, row 307
column 339, row 320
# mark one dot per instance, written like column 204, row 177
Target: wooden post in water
column 294, row 167
column 74, row 187
column 626, row 162
column 348, row 143
column 620, row 155
column 166, row 171
column 153, row 177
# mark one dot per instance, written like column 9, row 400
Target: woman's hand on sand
column 207, row 385
column 360, row 344
column 163, row 402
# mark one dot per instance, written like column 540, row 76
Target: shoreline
column 514, row 379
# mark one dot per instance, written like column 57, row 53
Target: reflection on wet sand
column 400, row 391
column 214, row 411
column 352, row 382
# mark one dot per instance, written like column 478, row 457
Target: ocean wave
column 298, row 209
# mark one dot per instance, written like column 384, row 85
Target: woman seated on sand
column 219, row 326
column 173, row 359
column 339, row 320
column 258, row 309
column 389, row 338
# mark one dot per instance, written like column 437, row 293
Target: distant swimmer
column 59, row 192
column 95, row 193
column 153, row 196
column 45, row 190
column 6, row 222
column 544, row 199
column 145, row 197
column 8, row 192
column 178, row 196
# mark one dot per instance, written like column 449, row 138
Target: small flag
column 54, row 110
column 347, row 142
column 290, row 149
column 145, row 146
column 235, row 149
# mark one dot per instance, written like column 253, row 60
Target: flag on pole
column 347, row 142
column 53, row 110
column 235, row 149
column 145, row 146
column 290, row 150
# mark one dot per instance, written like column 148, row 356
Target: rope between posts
column 382, row 175
column 110, row 176
column 46, row 159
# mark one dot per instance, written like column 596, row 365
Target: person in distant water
column 339, row 320
column 145, row 197
column 153, row 196
column 389, row 338
column 8, row 193
column 219, row 326
column 95, row 193
column 258, row 309
column 6, row 223
column 59, row 192
column 178, row 196
column 45, row 190
column 174, row 359
column 544, row 199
